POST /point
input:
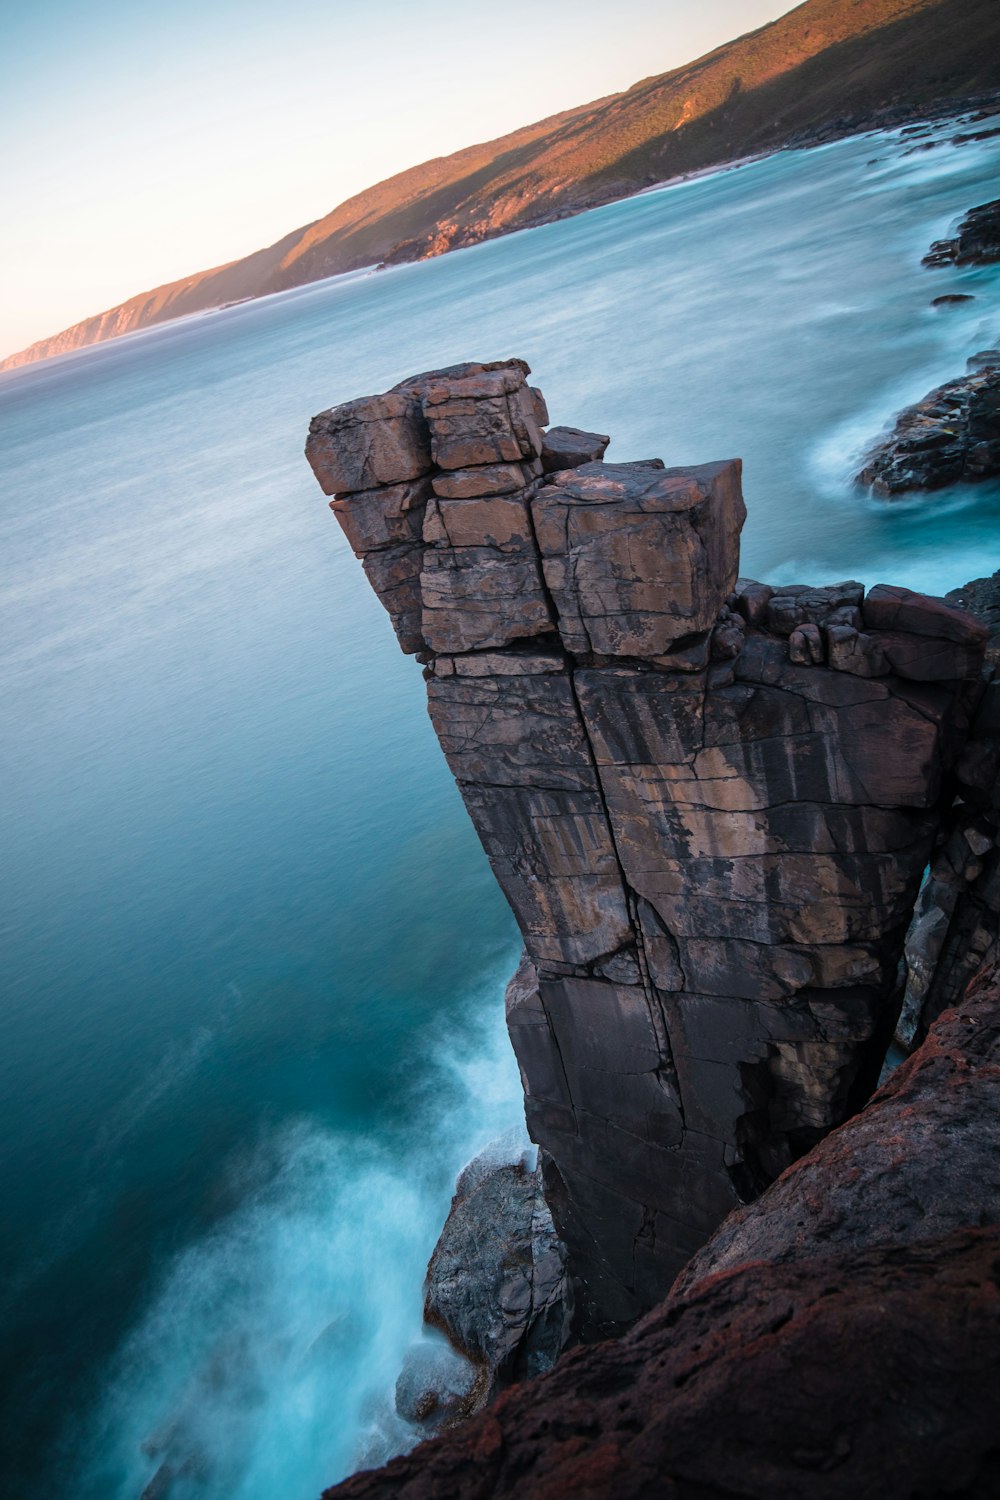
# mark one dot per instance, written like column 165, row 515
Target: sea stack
column 710, row 803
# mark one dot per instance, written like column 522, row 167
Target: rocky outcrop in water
column 709, row 802
column 497, row 1285
column 952, row 436
column 976, row 242
column 837, row 1339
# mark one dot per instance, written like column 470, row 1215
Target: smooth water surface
column 253, row 955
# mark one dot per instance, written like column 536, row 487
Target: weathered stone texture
column 838, row 1338
column 378, row 440
column 569, row 447
column 497, row 1285
column 952, row 436
column 635, row 559
column 709, row 802
column 957, row 920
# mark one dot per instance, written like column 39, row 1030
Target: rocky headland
column 823, row 71
column 738, row 826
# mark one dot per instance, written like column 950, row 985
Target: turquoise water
column 253, row 956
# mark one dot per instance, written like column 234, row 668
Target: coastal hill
column 825, row 69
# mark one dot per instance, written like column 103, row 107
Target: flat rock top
column 375, row 409
column 471, row 381
column 644, row 489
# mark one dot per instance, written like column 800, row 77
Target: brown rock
column 796, row 605
column 491, row 479
column 378, row 440
column 805, row 645
column 569, row 447
column 880, row 1179
column 477, row 597
column 394, row 574
column 634, row 559
column 712, row 840
column 484, row 417
column 850, row 650
column 752, row 600
column 375, row 519
column 888, row 607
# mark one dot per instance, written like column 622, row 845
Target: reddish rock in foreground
column 839, row 1339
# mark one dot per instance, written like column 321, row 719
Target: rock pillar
column 709, row 802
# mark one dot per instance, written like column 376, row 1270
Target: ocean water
column 253, row 957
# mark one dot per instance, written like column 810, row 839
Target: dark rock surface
column 837, row 1339
column 867, row 1376
column 957, row 920
column 437, row 1386
column 921, row 1161
column 710, row 804
column 569, row 447
column 976, row 242
column 497, row 1285
column 952, row 436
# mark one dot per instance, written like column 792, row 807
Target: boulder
column 437, row 1385
column 569, row 447
column 496, row 1283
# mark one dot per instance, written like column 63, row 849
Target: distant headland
column 822, row 71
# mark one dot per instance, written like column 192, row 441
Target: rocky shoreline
column 952, row 436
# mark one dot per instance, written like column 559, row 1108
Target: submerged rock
column 952, row 436
column 436, row 1385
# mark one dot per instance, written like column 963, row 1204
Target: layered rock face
column 709, row 802
column 837, row 1339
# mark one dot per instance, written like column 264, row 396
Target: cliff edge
column 709, row 803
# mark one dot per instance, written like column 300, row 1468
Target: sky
column 142, row 142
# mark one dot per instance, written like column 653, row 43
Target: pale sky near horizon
column 142, row 144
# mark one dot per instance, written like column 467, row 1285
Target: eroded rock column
column 709, row 803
